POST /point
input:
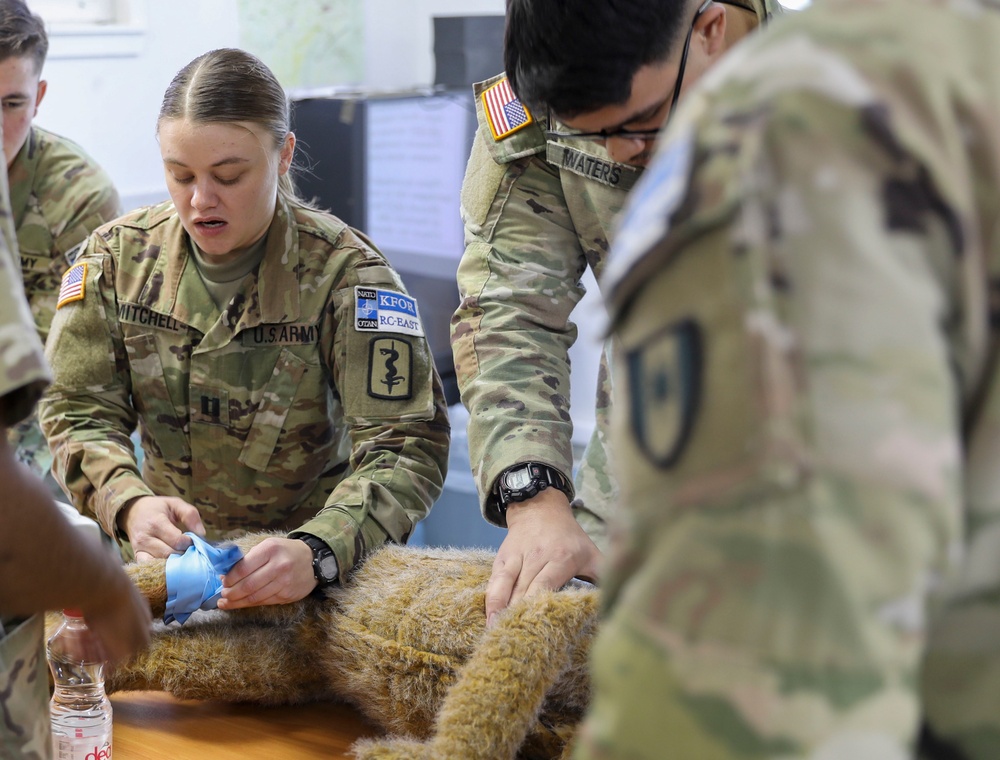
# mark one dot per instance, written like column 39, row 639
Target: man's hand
column 545, row 547
column 275, row 571
column 155, row 526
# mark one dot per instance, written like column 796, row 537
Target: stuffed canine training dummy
column 404, row 640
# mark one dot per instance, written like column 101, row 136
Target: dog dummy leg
column 493, row 708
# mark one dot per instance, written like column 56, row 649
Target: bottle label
column 82, row 748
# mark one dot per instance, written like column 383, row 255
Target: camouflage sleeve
column 394, row 404
column 519, row 280
column 95, row 203
column 88, row 416
column 76, row 197
column 23, row 374
column 787, row 433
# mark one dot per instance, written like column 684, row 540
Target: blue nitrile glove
column 193, row 577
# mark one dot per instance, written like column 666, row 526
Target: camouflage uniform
column 805, row 291
column 537, row 213
column 24, row 685
column 58, row 196
column 295, row 400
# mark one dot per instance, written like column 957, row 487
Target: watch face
column 518, row 480
column 328, row 568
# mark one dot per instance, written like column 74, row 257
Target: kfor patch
column 74, row 285
column 664, row 382
column 378, row 310
column 390, row 368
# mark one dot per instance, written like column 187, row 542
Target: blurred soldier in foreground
column 45, row 564
column 806, row 288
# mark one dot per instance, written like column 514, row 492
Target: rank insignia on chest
column 74, row 285
column 386, row 311
column 664, row 383
column 390, row 367
column 504, row 112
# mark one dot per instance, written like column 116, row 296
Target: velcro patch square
column 74, row 285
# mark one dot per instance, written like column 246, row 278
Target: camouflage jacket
column 24, row 693
column 805, row 293
column 296, row 408
column 58, row 197
column 537, row 213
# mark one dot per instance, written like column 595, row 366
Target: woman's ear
column 287, row 152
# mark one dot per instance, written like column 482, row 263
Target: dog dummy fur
column 403, row 640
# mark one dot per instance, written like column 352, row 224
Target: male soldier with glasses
column 562, row 138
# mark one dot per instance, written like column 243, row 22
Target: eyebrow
column 223, row 162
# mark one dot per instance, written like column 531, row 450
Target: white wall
column 109, row 105
column 399, row 38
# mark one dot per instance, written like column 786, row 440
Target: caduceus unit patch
column 390, row 368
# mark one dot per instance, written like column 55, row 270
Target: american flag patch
column 74, row 285
column 504, row 112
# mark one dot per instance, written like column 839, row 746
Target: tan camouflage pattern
column 807, row 420
column 25, row 731
column 24, row 687
column 536, row 216
column 259, row 415
column 23, row 372
column 58, row 197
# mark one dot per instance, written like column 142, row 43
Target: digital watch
column 525, row 480
column 324, row 562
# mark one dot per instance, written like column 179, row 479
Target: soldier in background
column 547, row 176
column 44, row 562
column 58, row 194
column 807, row 422
column 274, row 363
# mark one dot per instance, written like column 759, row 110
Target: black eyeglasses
column 647, row 134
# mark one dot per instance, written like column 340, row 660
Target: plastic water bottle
column 80, row 709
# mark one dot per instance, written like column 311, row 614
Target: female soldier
column 276, row 367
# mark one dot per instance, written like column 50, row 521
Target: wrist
column 324, row 562
column 547, row 503
column 526, row 481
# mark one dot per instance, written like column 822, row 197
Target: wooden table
column 153, row 726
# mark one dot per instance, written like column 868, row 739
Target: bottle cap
column 72, row 612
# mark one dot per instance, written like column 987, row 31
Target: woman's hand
column 275, row 571
column 155, row 526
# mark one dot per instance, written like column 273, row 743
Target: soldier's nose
column 625, row 149
column 202, row 198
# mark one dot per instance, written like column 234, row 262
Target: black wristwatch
column 324, row 563
column 522, row 481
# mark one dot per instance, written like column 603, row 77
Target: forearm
column 512, row 355
column 93, row 456
column 46, row 561
column 397, row 473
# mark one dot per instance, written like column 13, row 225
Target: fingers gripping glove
column 193, row 581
